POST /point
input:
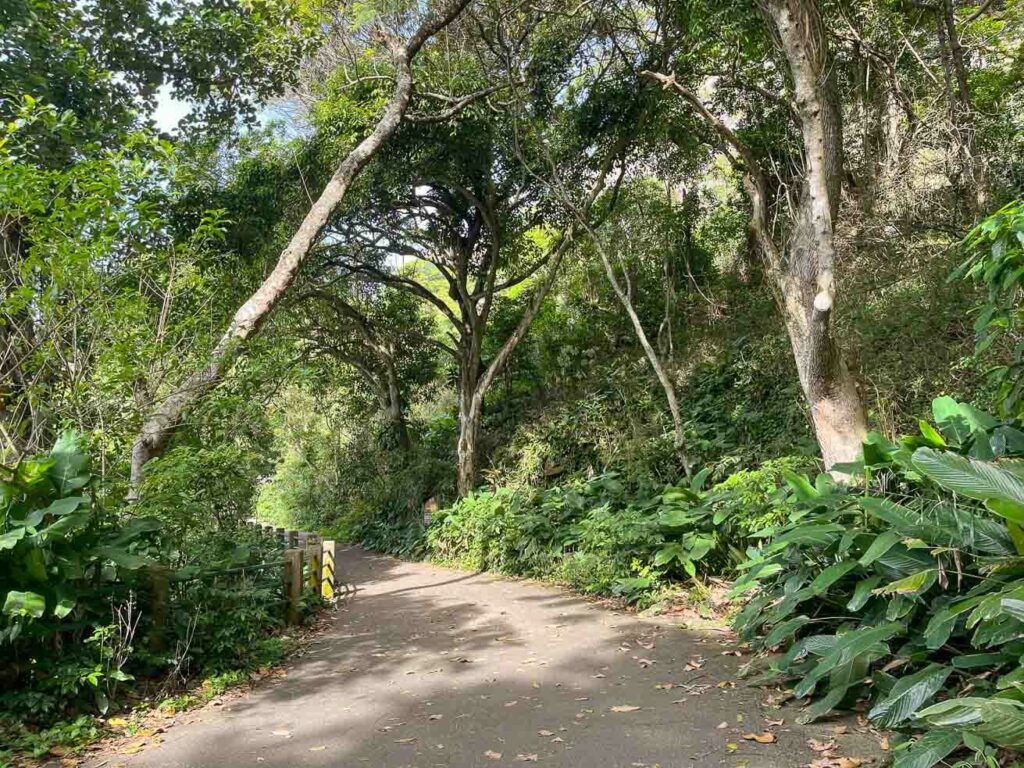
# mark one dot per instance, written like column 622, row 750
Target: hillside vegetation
column 645, row 297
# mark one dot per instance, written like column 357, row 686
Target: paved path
column 425, row 666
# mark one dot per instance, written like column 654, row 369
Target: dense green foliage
column 566, row 303
column 77, row 620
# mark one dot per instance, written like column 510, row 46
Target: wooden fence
column 308, row 561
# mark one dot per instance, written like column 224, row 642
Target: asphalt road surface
column 424, row 666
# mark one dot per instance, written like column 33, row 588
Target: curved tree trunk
column 160, row 424
column 625, row 298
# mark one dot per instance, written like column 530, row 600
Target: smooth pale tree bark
column 159, row 425
column 802, row 265
column 808, row 284
column 625, row 296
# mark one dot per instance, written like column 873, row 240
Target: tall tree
column 801, row 257
column 159, row 425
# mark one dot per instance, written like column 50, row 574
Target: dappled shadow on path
column 428, row 667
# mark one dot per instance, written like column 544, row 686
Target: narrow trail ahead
column 425, row 666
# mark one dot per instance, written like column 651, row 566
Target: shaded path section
column 424, row 666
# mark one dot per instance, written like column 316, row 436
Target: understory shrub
column 601, row 535
column 905, row 589
column 78, row 622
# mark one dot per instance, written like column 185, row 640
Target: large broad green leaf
column 697, row 484
column 137, row 526
column 939, row 628
column 847, row 647
column 64, row 506
column 882, row 544
column 28, row 604
column 929, row 750
column 66, row 525
column 931, row 435
column 911, row 585
column 831, row 575
column 1012, row 511
column 70, row 463
column 908, row 694
column 785, row 630
column 809, row 534
column 124, row 559
column 823, row 706
column 801, row 486
column 947, row 414
column 862, row 593
column 64, row 606
column 999, row 721
column 1013, row 607
column 10, row 539
column 970, row 477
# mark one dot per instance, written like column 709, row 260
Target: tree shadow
column 427, row 667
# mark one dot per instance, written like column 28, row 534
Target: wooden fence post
column 281, row 536
column 293, row 539
column 292, row 576
column 315, row 565
column 159, row 597
column 328, row 580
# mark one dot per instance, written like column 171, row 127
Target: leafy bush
column 904, row 589
column 997, row 262
column 77, row 622
column 67, row 571
column 600, row 536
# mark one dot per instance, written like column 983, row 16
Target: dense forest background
column 603, row 280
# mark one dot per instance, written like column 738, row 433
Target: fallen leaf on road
column 839, row 730
column 545, row 733
column 722, row 725
column 821, row 746
column 840, row 762
column 531, row 758
column 318, row 749
column 770, row 723
column 286, row 734
column 761, row 738
column 405, row 741
column 624, row 708
column 490, row 754
column 435, row 717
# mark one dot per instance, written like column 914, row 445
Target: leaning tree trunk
column 667, row 386
column 161, row 422
column 806, row 272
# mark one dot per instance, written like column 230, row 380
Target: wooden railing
column 308, row 561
